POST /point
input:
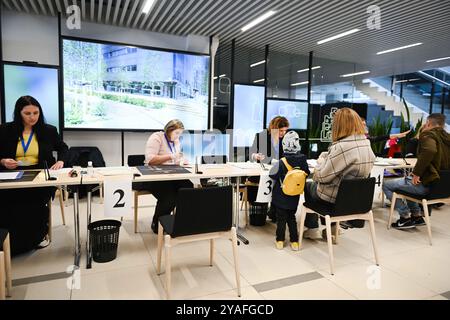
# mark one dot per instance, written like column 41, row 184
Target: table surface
column 229, row 170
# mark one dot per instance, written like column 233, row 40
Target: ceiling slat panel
column 99, row 11
column 34, row 6
column 133, row 10
column 7, row 4
column 124, row 11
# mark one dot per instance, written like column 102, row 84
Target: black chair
column 138, row 187
column 5, row 265
column 219, row 159
column 353, row 202
column 439, row 193
column 201, row 214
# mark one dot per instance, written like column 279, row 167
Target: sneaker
column 313, row 234
column 279, row 245
column 44, row 243
column 418, row 221
column 333, row 237
column 295, row 246
column 403, row 223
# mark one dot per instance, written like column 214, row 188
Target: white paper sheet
column 8, row 175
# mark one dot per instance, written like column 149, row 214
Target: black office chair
column 201, row 214
column 219, row 159
column 353, row 202
column 5, row 265
column 139, row 188
column 439, row 193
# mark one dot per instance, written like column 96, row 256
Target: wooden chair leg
column 160, row 245
column 101, row 193
column 336, row 233
column 373, row 237
column 7, row 251
column 427, row 220
column 236, row 260
column 302, row 225
column 330, row 243
column 391, row 211
column 61, row 205
column 211, row 252
column 50, row 227
column 2, row 276
column 167, row 247
column 66, row 196
column 136, row 207
column 382, row 198
column 245, row 203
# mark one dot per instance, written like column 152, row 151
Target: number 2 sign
column 118, row 195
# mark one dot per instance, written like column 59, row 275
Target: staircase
column 382, row 96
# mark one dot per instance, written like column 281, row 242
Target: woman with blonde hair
column 163, row 148
column 349, row 156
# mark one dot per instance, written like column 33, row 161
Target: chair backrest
column 219, row 159
column 79, row 156
column 135, row 160
column 203, row 210
column 354, row 196
column 441, row 189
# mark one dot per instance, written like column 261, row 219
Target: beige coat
column 350, row 157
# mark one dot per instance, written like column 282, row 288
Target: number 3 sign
column 118, row 195
column 265, row 189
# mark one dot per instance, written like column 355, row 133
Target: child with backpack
column 289, row 175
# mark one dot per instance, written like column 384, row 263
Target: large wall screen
column 110, row 86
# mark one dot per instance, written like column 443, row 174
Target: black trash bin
column 258, row 214
column 104, row 239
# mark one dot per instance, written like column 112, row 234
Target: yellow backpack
column 294, row 181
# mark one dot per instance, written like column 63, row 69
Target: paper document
column 114, row 171
column 11, row 175
column 312, row 163
column 247, row 165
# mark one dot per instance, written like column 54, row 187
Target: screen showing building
column 110, row 86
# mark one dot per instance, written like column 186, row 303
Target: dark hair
column 21, row 103
column 437, row 119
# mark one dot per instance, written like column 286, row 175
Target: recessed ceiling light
column 258, row 20
column 299, row 83
column 400, row 48
column 257, row 63
column 274, row 96
column 354, row 74
column 259, row 80
column 438, row 59
column 313, row 68
column 147, row 6
column 338, row 36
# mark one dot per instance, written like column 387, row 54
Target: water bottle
column 90, row 169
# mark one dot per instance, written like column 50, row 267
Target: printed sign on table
column 118, row 196
column 265, row 189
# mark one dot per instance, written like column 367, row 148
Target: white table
column 226, row 171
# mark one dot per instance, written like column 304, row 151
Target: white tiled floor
column 410, row 268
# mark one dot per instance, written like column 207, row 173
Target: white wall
column 35, row 38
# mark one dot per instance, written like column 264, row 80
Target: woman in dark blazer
column 29, row 127
column 28, row 143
